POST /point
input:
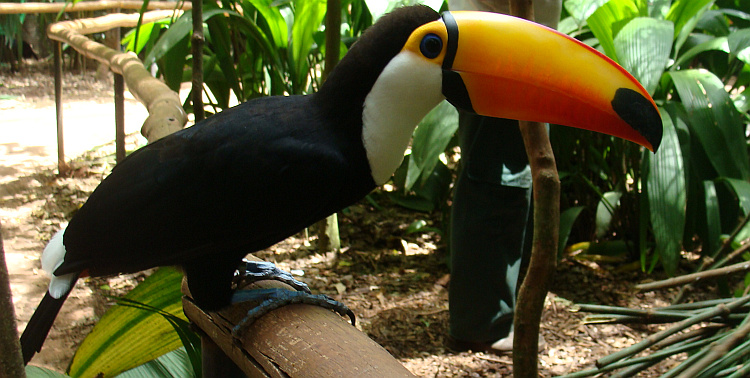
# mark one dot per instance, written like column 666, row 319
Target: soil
column 395, row 282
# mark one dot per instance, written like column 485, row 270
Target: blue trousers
column 489, row 218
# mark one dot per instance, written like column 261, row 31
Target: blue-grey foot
column 253, row 271
column 271, row 299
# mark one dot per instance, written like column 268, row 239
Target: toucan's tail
column 59, row 289
column 39, row 325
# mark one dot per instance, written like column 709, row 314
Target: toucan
column 255, row 174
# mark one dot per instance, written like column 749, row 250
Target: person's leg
column 488, row 225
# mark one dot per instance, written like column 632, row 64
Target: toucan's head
column 490, row 64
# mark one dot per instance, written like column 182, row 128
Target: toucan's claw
column 253, row 271
column 272, row 299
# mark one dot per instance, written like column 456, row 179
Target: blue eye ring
column 431, row 46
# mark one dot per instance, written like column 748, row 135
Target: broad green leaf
column 175, row 364
column 666, row 196
column 741, row 189
column 607, row 21
column 177, row 31
column 643, row 48
column 685, row 15
column 222, row 47
column 40, row 372
column 719, row 44
column 581, row 10
column 308, row 17
column 190, row 340
column 713, row 22
column 173, row 63
column 659, row 8
column 713, row 219
column 742, row 101
column 148, row 32
column 567, row 219
column 714, row 120
column 126, row 337
column 608, row 204
column 276, row 23
column 430, row 140
column 739, row 44
column 682, row 11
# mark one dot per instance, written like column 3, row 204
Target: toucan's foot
column 271, row 299
column 252, row 271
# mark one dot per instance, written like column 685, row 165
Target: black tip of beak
column 640, row 114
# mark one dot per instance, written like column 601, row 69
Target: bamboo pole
column 165, row 109
column 719, row 310
column 19, row 8
column 297, row 340
column 695, row 277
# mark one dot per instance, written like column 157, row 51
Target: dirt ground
column 395, row 283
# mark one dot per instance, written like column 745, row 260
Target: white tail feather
column 52, row 257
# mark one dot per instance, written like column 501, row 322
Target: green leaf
column 173, row 63
column 713, row 219
column 40, row 372
column 567, row 219
column 666, row 196
column 175, row 364
column 608, row 20
column 739, row 44
column 177, row 31
column 683, row 11
column 608, row 204
column 643, row 48
column 713, row 22
column 580, row 10
column 714, row 120
column 430, row 140
column 278, row 30
column 308, row 17
column 741, row 189
column 685, row 14
column 416, row 226
column 719, row 44
column 222, row 46
column 126, row 337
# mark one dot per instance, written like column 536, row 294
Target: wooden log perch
column 18, row 8
column 298, row 340
column 164, row 107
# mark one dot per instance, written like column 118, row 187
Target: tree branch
column 11, row 360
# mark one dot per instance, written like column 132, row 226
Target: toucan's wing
column 242, row 180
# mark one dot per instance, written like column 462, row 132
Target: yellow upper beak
column 501, row 66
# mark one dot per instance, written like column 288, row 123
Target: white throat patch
column 407, row 89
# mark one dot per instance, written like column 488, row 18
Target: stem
column 197, row 47
column 652, row 339
column 690, row 278
column 720, row 350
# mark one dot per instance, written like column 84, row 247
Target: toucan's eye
column 431, row 46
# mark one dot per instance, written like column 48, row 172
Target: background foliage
column 692, row 56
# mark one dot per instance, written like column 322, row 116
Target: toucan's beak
column 506, row 67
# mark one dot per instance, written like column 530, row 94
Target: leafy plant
column 147, row 323
column 692, row 56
